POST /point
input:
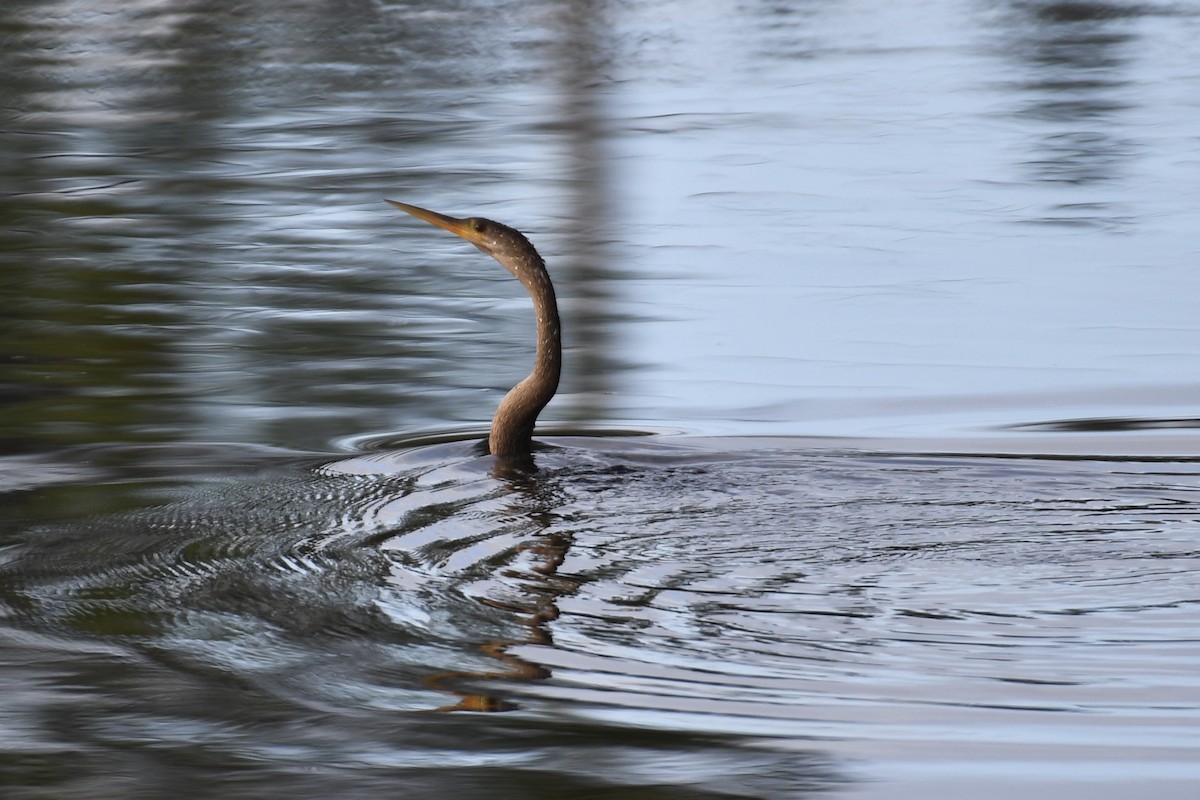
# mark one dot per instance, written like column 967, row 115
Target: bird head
column 498, row 241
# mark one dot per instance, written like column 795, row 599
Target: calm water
column 900, row 298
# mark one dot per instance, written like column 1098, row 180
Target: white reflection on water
column 928, row 204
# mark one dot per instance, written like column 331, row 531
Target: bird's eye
column 478, row 225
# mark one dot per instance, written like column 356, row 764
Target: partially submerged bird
column 512, row 426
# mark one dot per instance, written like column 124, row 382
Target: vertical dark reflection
column 1076, row 56
column 160, row 167
column 579, row 61
column 111, row 173
column 87, row 151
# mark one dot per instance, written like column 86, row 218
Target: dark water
column 900, row 295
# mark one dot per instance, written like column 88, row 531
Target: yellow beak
column 458, row 227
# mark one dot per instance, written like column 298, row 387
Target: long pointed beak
column 458, row 227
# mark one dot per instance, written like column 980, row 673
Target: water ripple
column 842, row 586
column 784, row 594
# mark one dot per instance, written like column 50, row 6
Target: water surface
column 901, row 296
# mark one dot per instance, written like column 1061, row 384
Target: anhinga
column 512, row 426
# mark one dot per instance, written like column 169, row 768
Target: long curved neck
column 512, row 426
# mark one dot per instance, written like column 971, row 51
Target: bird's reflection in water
column 541, row 585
